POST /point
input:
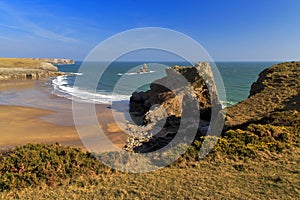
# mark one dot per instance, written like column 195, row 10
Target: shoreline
column 29, row 113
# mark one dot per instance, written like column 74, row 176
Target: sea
column 107, row 84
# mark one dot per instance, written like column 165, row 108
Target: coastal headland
column 272, row 109
column 30, row 68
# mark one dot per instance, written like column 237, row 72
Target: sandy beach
column 29, row 113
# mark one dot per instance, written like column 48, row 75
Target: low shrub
column 42, row 164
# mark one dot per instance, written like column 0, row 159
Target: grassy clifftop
column 26, row 63
column 276, row 89
column 25, row 68
column 32, row 63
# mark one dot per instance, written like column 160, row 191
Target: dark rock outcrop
column 165, row 95
column 161, row 107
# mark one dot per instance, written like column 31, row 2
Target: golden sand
column 21, row 125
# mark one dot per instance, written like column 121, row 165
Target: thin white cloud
column 9, row 26
column 44, row 33
column 30, row 27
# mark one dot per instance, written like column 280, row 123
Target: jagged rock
column 161, row 107
column 144, row 96
column 135, row 97
column 168, row 92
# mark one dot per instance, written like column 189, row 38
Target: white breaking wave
column 77, row 73
column 63, row 88
column 60, row 80
column 227, row 103
column 135, row 73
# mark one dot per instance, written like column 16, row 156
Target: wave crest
column 63, row 87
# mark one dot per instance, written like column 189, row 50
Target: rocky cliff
column 26, row 68
column 56, row 61
column 165, row 95
column 164, row 102
column 268, row 119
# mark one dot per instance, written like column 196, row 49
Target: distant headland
column 56, row 61
column 30, row 68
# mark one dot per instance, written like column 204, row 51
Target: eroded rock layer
column 29, row 68
column 181, row 99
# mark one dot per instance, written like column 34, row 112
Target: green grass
column 19, row 63
column 270, row 175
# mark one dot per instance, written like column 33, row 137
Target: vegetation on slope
column 19, row 63
column 276, row 89
column 61, row 172
column 38, row 164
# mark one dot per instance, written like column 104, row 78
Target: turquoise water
column 120, row 79
column 238, row 77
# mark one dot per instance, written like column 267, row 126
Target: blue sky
column 228, row 30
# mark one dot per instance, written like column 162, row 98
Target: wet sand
column 29, row 113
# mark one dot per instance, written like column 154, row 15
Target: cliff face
column 56, row 60
column 163, row 104
column 26, row 68
column 277, row 88
column 166, row 94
